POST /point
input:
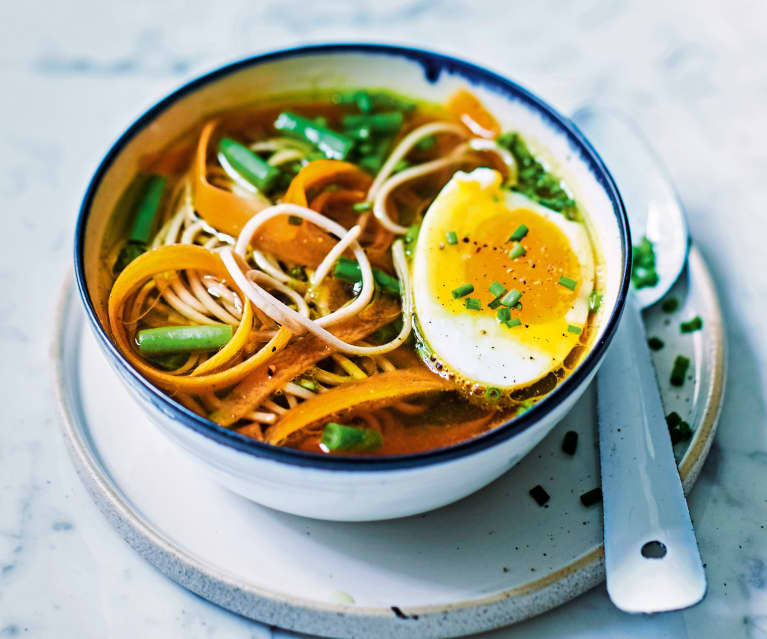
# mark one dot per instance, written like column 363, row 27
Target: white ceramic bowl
column 348, row 488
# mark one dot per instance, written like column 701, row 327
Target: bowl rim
column 434, row 64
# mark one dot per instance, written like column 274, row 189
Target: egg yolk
column 481, row 257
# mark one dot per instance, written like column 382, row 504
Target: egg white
column 471, row 347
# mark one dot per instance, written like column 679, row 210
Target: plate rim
column 342, row 620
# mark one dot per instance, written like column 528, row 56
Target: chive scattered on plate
column 539, row 495
column 655, row 343
column 679, row 370
column 591, row 497
column 670, row 305
column 695, row 324
column 570, row 442
column 678, row 429
column 463, row 290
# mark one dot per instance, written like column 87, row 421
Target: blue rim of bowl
column 434, row 64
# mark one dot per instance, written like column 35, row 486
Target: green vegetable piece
column 511, row 298
column 571, row 328
column 183, row 339
column 695, row 324
column 387, row 123
column 334, row 145
column 337, row 437
column 514, row 321
column 473, row 304
column 362, row 206
column 169, row 361
column 424, row 144
column 492, row 394
column 349, row 270
column 592, row 497
column 678, row 429
column 373, row 160
column 251, row 167
column 401, row 166
column 679, row 370
column 670, row 305
column 295, row 220
column 643, row 272
column 308, row 384
column 518, row 233
column 570, row 442
column 147, row 209
column 495, row 303
column 497, row 289
column 129, row 252
column 451, row 237
column 463, row 290
column 655, row 343
column 568, row 282
column 503, row 314
column 517, row 251
column 595, row 301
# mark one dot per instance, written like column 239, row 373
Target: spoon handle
column 651, row 555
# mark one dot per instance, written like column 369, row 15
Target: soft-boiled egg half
column 500, row 284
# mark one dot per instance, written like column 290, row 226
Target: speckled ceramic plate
column 492, row 559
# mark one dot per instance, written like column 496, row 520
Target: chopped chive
column 679, row 370
column 424, row 144
column 595, row 301
column 473, row 304
column 339, row 437
column 570, row 442
column 349, row 270
column 463, row 290
column 655, row 343
column 182, row 339
column 568, row 282
column 401, row 166
column 695, row 324
column 495, row 303
column 678, row 429
column 673, row 419
column 539, row 495
column 295, row 220
column 497, row 289
column 492, row 394
column 518, row 233
column 524, row 406
column 385, row 123
column 514, row 321
column 571, row 328
column 511, row 298
column 451, row 237
column 517, row 251
column 670, row 305
column 362, row 206
column 643, row 265
column 308, row 384
column 503, row 314
column 594, row 496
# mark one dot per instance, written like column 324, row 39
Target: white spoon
column 651, row 555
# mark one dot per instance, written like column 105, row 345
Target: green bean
column 183, row 339
column 334, row 145
column 251, row 167
column 386, row 123
column 339, row 437
column 147, row 209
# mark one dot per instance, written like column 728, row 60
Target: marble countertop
column 74, row 74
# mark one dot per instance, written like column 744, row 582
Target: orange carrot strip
column 321, row 173
column 473, row 114
column 171, row 258
column 369, row 394
column 303, row 353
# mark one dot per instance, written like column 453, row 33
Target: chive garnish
column 670, row 305
column 655, row 343
column 539, row 495
column 295, row 220
column 643, row 266
column 451, row 237
column 503, row 314
column 517, row 251
column 511, row 298
column 524, row 406
column 463, row 290
column 595, row 301
column 568, row 282
column 679, row 370
column 473, row 304
column 592, row 497
column 570, row 442
column 362, row 206
column 571, row 328
column 308, row 384
column 514, row 321
column 678, row 429
column 497, row 289
column 492, row 394
column 518, row 233
column 495, row 303
column 695, row 324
